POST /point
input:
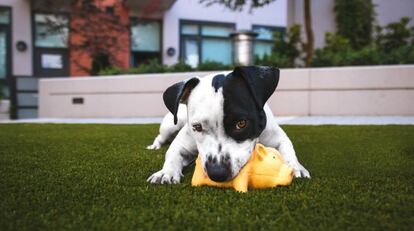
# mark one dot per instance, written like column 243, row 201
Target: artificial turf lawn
column 84, row 177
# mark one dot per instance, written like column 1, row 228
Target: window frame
column 199, row 37
column 157, row 53
column 7, row 82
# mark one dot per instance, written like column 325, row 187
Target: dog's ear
column 178, row 93
column 261, row 81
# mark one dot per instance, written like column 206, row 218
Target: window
column 145, row 41
column 201, row 42
column 50, row 44
column 3, row 54
column 4, row 16
column 51, row 31
column 264, row 40
column 5, row 57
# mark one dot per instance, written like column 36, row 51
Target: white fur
column 205, row 106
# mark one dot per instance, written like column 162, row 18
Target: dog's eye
column 241, row 124
column 197, row 127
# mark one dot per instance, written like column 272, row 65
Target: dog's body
column 221, row 117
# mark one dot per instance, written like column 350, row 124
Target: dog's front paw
column 154, row 146
column 165, row 177
column 300, row 171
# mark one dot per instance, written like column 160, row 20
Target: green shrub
column 395, row 35
column 337, row 52
column 274, row 59
column 393, row 45
column 180, row 67
column 153, row 66
column 209, row 65
column 354, row 20
column 111, row 71
column 286, row 50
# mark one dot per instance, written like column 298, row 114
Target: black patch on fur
column 219, row 148
column 178, row 93
column 245, row 92
column 218, row 81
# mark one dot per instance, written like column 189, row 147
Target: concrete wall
column 21, row 31
column 323, row 15
column 372, row 90
column 4, row 109
column 275, row 14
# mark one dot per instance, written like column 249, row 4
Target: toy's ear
column 261, row 81
column 260, row 152
column 178, row 93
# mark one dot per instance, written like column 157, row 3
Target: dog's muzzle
column 218, row 172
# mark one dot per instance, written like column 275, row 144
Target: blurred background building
column 59, row 38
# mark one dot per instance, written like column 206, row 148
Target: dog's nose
column 218, row 172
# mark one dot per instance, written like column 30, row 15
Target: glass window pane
column 191, row 55
column 27, row 99
column 145, row 36
column 4, row 91
column 27, row 84
column 189, row 29
column 218, row 50
column 3, row 54
column 26, row 113
column 263, row 33
column 4, row 16
column 216, row 31
column 51, row 30
column 262, row 48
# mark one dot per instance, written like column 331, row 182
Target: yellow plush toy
column 265, row 169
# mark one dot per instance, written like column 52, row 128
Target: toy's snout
column 218, row 171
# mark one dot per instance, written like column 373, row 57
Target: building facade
column 61, row 38
column 40, row 38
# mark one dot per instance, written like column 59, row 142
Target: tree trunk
column 309, row 33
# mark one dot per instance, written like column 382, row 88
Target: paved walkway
column 307, row 120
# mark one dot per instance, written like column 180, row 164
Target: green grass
column 93, row 177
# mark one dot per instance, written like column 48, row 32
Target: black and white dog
column 221, row 117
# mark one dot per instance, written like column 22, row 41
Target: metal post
column 243, row 47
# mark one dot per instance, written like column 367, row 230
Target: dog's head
column 225, row 115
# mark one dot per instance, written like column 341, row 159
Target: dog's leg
column 181, row 152
column 168, row 129
column 276, row 137
column 286, row 149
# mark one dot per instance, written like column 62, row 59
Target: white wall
column 274, row 14
column 370, row 90
column 21, row 31
column 323, row 18
column 391, row 11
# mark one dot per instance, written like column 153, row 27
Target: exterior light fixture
column 21, row 46
column 171, row 51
